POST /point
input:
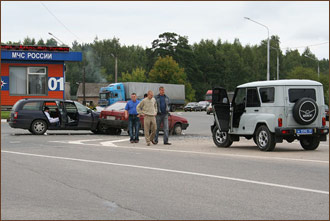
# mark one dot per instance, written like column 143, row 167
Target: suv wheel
column 265, row 140
column 221, row 138
column 309, row 142
column 38, row 127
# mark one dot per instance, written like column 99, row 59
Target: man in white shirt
column 51, row 119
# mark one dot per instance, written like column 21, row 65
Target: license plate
column 111, row 117
column 304, row 131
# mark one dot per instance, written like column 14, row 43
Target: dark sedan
column 112, row 120
column 29, row 114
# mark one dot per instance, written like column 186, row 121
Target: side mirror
column 89, row 111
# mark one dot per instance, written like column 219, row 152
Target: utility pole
column 277, row 62
column 318, row 65
column 84, row 89
column 116, row 69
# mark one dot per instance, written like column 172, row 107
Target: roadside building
column 92, row 93
column 33, row 72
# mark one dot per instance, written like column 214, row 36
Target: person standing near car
column 133, row 118
column 162, row 114
column 148, row 108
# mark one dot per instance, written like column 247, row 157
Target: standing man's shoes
column 154, row 143
column 148, row 144
column 132, row 141
column 136, row 141
column 167, row 144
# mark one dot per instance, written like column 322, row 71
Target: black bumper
column 121, row 124
column 283, row 133
column 184, row 126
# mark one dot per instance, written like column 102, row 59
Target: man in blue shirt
column 133, row 118
column 162, row 114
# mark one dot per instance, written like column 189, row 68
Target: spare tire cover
column 305, row 111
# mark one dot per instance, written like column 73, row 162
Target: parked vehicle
column 122, row 92
column 203, row 104
column 112, row 120
column 208, row 96
column 270, row 112
column 209, row 109
column 192, row 106
column 29, row 114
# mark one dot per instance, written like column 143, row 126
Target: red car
column 112, row 120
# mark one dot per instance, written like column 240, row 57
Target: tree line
column 199, row 66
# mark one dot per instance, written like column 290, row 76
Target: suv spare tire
column 305, row 111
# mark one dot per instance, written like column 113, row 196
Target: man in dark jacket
column 163, row 109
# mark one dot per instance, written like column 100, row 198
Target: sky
column 298, row 24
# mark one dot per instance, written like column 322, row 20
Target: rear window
column 32, row 106
column 119, row 106
column 267, row 95
column 296, row 94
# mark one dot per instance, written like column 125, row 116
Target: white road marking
column 172, row 171
column 110, row 144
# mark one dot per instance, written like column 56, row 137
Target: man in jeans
column 162, row 114
column 148, row 108
column 133, row 118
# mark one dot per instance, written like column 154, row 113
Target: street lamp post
column 318, row 65
column 268, row 44
column 116, row 66
column 277, row 62
column 56, row 38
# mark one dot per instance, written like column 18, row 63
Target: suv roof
column 291, row 82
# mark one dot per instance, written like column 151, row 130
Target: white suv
column 270, row 112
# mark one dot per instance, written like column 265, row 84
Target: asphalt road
column 78, row 175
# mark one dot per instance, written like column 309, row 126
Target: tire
column 305, row 111
column 265, row 139
column 173, row 108
column 208, row 113
column 221, row 139
column 101, row 129
column 177, row 130
column 39, row 127
column 309, row 142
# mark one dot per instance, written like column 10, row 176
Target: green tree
column 138, row 75
column 167, row 70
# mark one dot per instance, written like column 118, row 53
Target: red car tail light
column 285, row 131
column 15, row 115
column 280, row 122
column 323, row 121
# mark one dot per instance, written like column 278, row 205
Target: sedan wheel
column 178, row 129
column 38, row 127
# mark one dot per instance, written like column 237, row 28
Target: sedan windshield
column 118, row 106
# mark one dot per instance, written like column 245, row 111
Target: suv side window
column 267, row 94
column 240, row 97
column 296, row 94
column 32, row 106
column 252, row 98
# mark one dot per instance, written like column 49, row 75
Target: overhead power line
column 59, row 21
column 306, row 46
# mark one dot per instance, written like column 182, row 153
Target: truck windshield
column 104, row 95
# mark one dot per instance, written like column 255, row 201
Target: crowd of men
column 155, row 111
